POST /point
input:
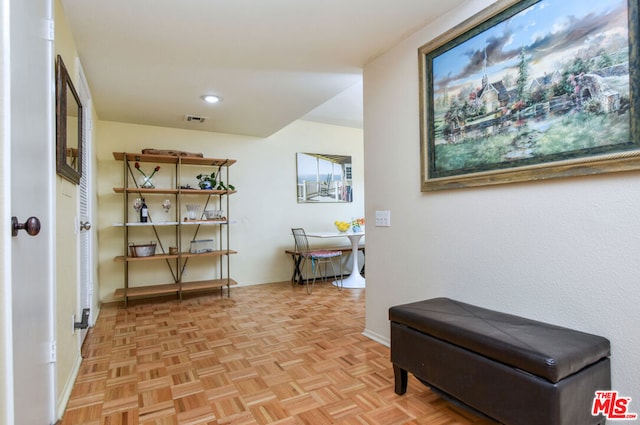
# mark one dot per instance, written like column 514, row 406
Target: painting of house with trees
column 550, row 82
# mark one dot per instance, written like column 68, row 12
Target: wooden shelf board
column 217, row 253
column 188, row 222
column 170, row 159
column 206, row 192
column 204, row 220
column 149, row 258
column 143, row 291
column 207, row 284
column 166, row 191
column 169, row 191
column 147, row 224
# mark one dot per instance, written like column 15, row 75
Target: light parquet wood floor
column 270, row 354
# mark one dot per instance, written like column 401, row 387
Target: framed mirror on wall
column 68, row 126
column 323, row 178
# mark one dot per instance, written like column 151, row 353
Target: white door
column 85, row 298
column 85, row 290
column 32, row 110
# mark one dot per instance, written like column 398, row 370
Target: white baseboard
column 63, row 400
column 95, row 315
column 68, row 386
column 377, row 337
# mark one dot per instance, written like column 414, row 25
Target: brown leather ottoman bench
column 511, row 369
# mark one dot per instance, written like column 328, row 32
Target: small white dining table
column 355, row 279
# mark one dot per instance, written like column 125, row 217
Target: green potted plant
column 222, row 186
column 207, row 181
column 211, row 182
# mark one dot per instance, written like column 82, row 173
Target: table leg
column 297, row 274
column 355, row 280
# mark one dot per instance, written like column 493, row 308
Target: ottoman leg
column 400, row 376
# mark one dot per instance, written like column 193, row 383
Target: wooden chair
column 317, row 257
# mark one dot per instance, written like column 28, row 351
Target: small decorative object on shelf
column 166, row 206
column 146, row 182
column 192, row 211
column 143, row 250
column 212, row 182
column 342, row 226
column 207, row 181
column 201, row 245
column 213, row 214
column 137, row 204
column 144, row 212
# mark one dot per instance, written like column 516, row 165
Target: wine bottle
column 144, row 212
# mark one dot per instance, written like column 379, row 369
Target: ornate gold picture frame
column 529, row 90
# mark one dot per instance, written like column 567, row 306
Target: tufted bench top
column 542, row 349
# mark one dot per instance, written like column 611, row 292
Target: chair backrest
column 300, row 237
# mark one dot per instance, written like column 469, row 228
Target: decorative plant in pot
column 146, row 182
column 207, row 181
column 211, row 182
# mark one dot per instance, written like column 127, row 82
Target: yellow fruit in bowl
column 342, row 226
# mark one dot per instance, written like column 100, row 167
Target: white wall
column 265, row 205
column 565, row 251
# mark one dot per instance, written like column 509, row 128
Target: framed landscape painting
column 529, row 90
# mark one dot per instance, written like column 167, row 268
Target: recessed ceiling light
column 211, row 98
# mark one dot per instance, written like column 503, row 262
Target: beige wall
column 565, row 251
column 264, row 207
column 67, row 267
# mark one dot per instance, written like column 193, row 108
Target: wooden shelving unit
column 176, row 263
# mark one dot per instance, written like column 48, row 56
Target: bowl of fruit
column 342, row 226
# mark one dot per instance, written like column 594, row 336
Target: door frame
column 6, row 311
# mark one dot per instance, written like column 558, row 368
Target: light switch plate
column 383, row 218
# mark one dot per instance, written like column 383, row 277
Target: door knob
column 85, row 225
column 31, row 226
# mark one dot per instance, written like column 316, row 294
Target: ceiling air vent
column 194, row 118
